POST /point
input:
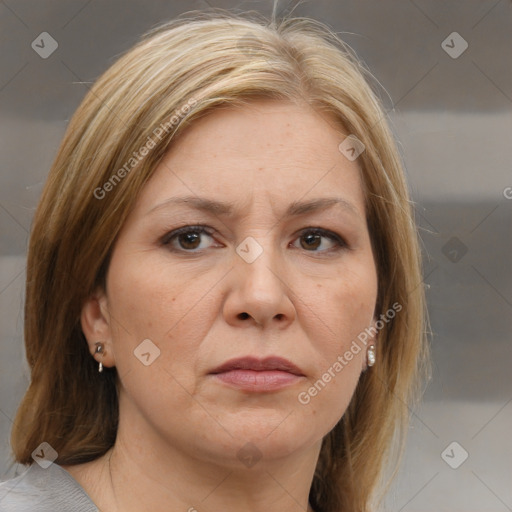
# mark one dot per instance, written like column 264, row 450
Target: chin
column 269, row 434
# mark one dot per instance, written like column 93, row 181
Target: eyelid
column 324, row 232
column 166, row 239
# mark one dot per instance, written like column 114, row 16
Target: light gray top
column 44, row 490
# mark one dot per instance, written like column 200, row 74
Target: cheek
column 150, row 301
column 345, row 306
column 142, row 297
column 158, row 322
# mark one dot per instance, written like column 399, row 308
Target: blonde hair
column 177, row 73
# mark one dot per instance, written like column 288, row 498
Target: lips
column 273, row 363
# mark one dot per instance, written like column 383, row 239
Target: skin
column 304, row 298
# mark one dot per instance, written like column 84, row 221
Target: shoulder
column 39, row 489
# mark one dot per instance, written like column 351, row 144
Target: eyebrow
column 226, row 208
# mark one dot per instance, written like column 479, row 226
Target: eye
column 313, row 239
column 188, row 238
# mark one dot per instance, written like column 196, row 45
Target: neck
column 143, row 472
column 125, row 480
column 279, row 487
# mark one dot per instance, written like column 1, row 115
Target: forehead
column 270, row 151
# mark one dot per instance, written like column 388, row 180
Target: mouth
column 253, row 374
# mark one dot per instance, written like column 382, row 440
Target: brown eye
column 188, row 238
column 311, row 240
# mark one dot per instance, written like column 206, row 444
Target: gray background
column 452, row 117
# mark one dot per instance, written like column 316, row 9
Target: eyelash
column 168, row 238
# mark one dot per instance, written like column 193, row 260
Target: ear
column 96, row 326
column 372, row 339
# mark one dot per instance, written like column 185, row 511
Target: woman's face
column 257, row 274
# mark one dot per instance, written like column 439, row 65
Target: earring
column 99, row 350
column 370, row 354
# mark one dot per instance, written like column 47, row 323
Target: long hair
column 175, row 74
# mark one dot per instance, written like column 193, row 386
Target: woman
column 224, row 308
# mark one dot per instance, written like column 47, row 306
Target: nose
column 260, row 292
